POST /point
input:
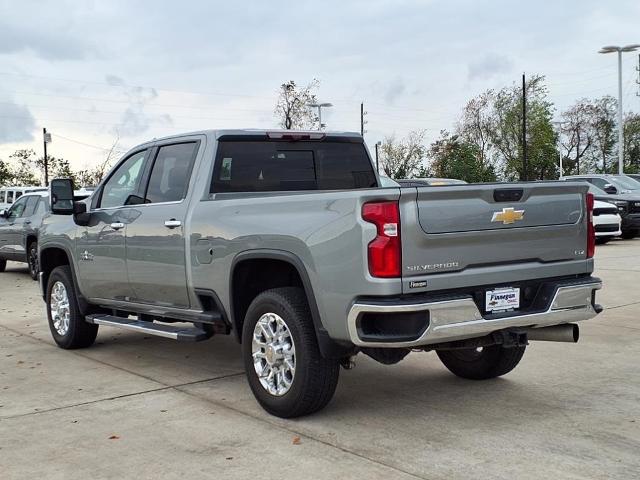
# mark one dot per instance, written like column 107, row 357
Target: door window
column 171, row 172
column 3, row 196
column 30, row 208
column 17, row 209
column 10, row 196
column 123, row 184
column 599, row 182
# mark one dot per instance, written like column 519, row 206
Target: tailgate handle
column 508, row 194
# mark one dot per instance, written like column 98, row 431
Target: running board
column 182, row 334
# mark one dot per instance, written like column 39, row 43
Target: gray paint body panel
column 325, row 232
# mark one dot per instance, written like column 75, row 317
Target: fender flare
column 82, row 301
column 329, row 348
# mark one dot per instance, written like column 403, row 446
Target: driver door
column 11, row 244
column 100, row 246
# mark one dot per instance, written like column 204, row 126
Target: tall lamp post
column 320, row 106
column 611, row 49
column 559, row 123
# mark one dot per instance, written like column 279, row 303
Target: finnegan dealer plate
column 501, row 299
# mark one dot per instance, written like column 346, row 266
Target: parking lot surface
column 134, row 406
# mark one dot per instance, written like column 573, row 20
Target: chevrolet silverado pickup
column 287, row 241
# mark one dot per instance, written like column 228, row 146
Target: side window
column 18, row 195
column 3, row 196
column 598, row 182
column 41, row 208
column 30, row 208
column 171, row 172
column 10, row 196
column 124, row 182
column 17, row 208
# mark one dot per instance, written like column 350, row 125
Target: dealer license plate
column 502, row 299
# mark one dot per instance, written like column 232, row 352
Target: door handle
column 27, row 222
column 173, row 223
column 117, row 225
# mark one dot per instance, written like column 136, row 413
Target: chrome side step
column 179, row 333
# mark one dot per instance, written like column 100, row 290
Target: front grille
column 605, row 211
column 606, row 228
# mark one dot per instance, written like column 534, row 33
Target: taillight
column 385, row 251
column 591, row 231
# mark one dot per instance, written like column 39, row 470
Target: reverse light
column 591, row 231
column 385, row 251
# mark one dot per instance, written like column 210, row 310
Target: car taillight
column 385, row 251
column 591, row 231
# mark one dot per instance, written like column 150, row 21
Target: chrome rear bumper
column 459, row 318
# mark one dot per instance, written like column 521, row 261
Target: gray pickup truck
column 287, row 241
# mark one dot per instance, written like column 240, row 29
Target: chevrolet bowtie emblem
column 507, row 216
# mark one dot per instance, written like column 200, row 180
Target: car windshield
column 624, row 182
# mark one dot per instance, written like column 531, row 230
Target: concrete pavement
column 139, row 406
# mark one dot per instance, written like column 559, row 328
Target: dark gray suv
column 19, row 226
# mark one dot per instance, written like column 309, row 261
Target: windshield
column 624, row 182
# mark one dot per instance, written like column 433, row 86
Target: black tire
column 32, row 259
column 79, row 333
column 3, row 264
column 603, row 240
column 489, row 362
column 629, row 234
column 315, row 378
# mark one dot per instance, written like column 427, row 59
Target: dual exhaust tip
column 568, row 332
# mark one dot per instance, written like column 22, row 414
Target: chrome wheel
column 59, row 308
column 274, row 354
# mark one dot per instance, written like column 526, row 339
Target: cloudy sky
column 96, row 71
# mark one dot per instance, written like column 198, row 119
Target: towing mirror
column 61, row 196
column 610, row 189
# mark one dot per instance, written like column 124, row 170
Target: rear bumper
column 457, row 318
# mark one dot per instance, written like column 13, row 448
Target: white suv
column 606, row 221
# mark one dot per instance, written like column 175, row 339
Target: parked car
column 8, row 195
column 286, row 240
column 606, row 221
column 19, row 226
column 627, row 200
column 418, row 182
column 635, row 176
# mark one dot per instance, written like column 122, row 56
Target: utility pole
column 525, row 166
column 363, row 122
column 638, row 79
column 558, row 124
column 46, row 138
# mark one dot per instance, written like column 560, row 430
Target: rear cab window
column 274, row 165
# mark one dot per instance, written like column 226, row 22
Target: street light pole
column 559, row 124
column 319, row 107
column 620, row 50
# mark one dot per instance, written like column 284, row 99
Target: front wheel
column 629, row 234
column 68, row 326
column 481, row 363
column 32, row 260
column 284, row 367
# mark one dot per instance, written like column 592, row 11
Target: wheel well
column 51, row 258
column 252, row 277
column 31, row 239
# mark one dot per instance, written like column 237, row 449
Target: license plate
column 502, row 299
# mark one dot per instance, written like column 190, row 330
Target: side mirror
column 4, row 213
column 610, row 189
column 61, row 196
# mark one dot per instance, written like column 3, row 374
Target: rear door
column 470, row 227
column 11, row 241
column 155, row 243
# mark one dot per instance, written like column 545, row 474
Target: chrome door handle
column 173, row 223
column 27, row 222
column 117, row 225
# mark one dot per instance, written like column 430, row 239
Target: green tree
column 6, row 174
column 24, row 171
column 632, row 143
column 403, row 158
column 604, row 126
column 452, row 157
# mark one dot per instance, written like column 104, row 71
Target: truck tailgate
column 467, row 228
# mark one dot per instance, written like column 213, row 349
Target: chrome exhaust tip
column 568, row 332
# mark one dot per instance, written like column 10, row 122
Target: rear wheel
column 3, row 264
column 629, row 234
column 67, row 324
column 284, row 367
column 481, row 363
column 32, row 259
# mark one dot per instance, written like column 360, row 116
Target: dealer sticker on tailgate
column 501, row 299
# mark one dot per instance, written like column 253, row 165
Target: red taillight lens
column 385, row 251
column 591, row 231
